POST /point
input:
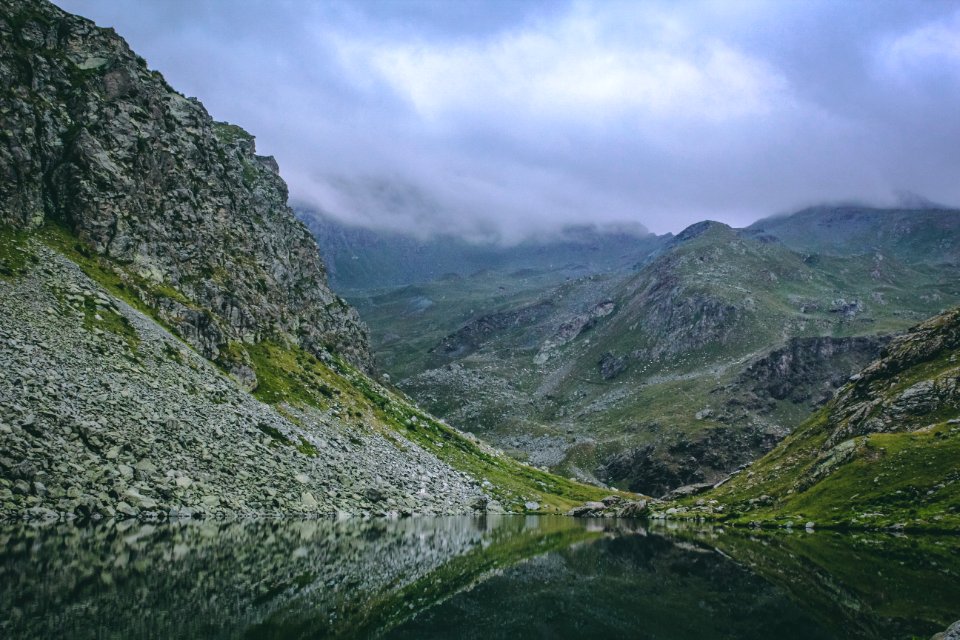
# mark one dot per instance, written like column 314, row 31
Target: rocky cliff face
column 915, row 383
column 92, row 139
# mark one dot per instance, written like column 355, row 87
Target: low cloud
column 504, row 120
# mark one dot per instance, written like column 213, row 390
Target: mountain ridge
column 362, row 258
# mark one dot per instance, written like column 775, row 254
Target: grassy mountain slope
column 883, row 453
column 919, row 235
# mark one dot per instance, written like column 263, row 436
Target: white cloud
column 572, row 69
column 932, row 47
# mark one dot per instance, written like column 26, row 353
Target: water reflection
column 468, row 577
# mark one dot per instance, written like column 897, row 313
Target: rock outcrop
column 94, row 140
column 472, row 335
column 888, row 396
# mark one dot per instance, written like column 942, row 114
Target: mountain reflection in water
column 466, row 577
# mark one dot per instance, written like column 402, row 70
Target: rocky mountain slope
column 675, row 373
column 168, row 342
column 883, row 453
column 95, row 140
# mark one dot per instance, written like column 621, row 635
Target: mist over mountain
column 361, row 258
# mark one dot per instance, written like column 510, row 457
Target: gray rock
column 493, row 506
column 952, row 633
column 127, row 510
column 635, row 509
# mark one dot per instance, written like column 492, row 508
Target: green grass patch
column 107, row 319
column 290, row 375
column 229, row 133
column 15, row 253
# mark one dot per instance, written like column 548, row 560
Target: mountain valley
column 686, row 361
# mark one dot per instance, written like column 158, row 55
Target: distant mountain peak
column 699, row 228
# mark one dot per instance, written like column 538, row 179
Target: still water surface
column 494, row 577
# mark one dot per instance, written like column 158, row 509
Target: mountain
column 929, row 235
column 168, row 340
column 364, row 259
column 677, row 371
column 882, row 453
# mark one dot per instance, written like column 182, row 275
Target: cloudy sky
column 501, row 119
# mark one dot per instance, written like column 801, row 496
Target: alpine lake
column 471, row 577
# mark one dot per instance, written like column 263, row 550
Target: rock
column 531, row 506
column 126, row 509
column 480, row 504
column 688, row 490
column 146, row 466
column 42, row 513
column 952, row 633
column 180, row 512
column 139, row 501
column 610, row 501
column 635, row 509
column 308, row 500
column 611, row 366
column 809, row 526
column 493, row 506
column 374, row 494
column 587, row 510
